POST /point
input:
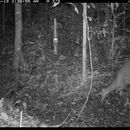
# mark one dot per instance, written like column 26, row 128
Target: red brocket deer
column 120, row 81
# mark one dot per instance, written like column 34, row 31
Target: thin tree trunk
column 84, row 57
column 3, row 24
column 18, row 35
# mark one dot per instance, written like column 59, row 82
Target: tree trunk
column 84, row 57
column 18, row 36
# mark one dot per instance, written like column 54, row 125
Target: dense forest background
column 46, row 88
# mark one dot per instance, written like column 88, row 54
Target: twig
column 71, row 92
column 11, row 89
column 44, row 125
column 21, row 118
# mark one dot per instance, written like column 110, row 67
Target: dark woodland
column 65, row 65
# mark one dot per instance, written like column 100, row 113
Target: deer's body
column 120, row 81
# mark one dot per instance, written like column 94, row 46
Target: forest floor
column 52, row 95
